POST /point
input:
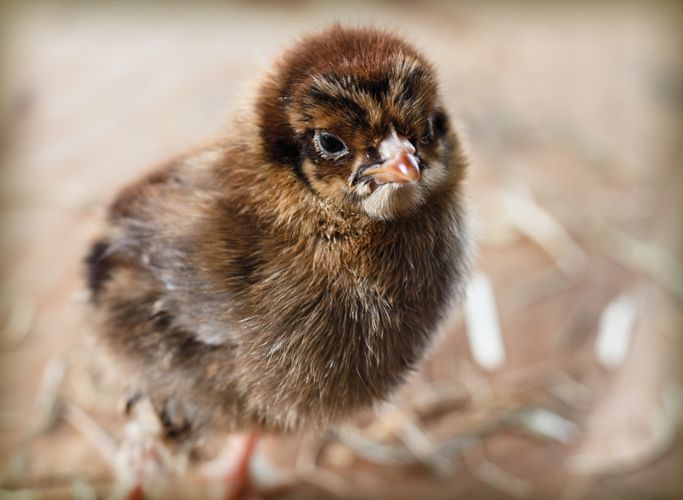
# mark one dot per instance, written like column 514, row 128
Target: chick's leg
column 238, row 478
column 233, row 467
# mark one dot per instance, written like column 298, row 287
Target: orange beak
column 399, row 165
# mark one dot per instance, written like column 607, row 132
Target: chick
column 293, row 272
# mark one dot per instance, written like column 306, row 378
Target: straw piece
column 615, row 331
column 546, row 424
column 22, row 314
column 538, row 286
column 504, row 481
column 541, row 227
column 642, row 256
column 569, row 391
column 421, row 446
column 47, row 398
column 91, row 430
column 373, row 451
column 665, row 426
column 483, row 327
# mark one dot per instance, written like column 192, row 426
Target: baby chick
column 295, row 271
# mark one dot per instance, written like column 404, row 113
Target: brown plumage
column 295, row 271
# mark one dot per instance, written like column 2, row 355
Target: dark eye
column 329, row 145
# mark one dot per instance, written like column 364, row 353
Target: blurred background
column 560, row 378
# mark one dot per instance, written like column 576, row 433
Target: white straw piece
column 547, row 424
column 541, row 227
column 483, row 327
column 615, row 331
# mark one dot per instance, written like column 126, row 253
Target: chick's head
column 355, row 113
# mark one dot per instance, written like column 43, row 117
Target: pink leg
column 232, row 467
column 238, row 478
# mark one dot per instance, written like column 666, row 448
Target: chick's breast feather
column 294, row 271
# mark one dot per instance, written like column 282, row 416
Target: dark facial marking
column 439, row 123
column 99, row 267
column 342, row 104
column 372, row 154
column 428, row 134
column 411, row 83
column 377, row 88
column 291, row 152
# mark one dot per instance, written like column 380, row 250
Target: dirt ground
column 572, row 116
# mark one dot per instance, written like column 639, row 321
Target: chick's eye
column 330, row 145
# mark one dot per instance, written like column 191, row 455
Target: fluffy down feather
column 265, row 283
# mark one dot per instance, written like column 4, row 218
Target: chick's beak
column 399, row 162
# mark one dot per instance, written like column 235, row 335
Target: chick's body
column 293, row 272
